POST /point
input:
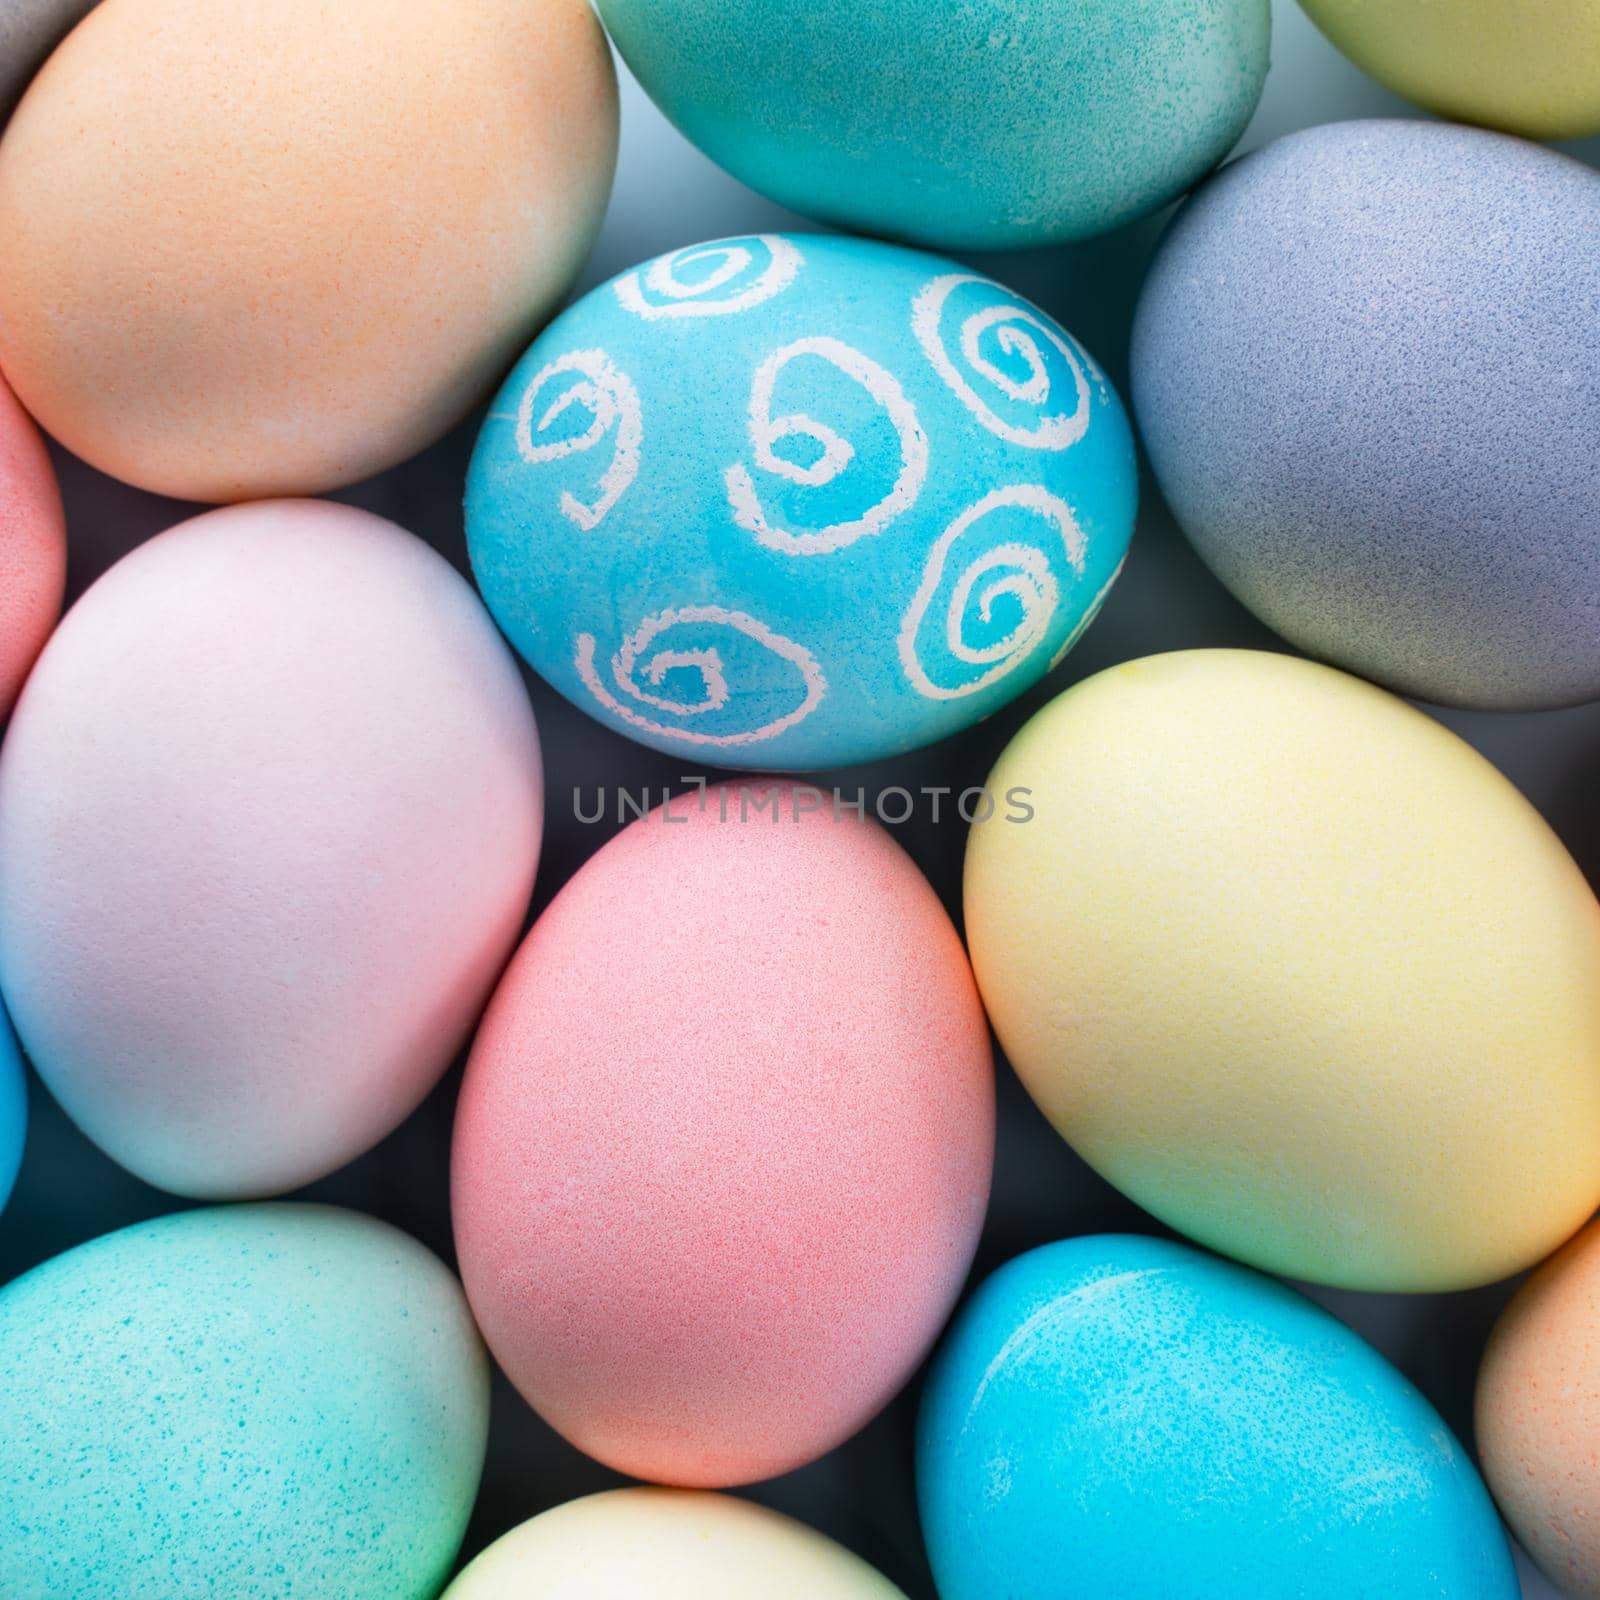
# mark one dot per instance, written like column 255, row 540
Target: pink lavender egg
column 724, row 1144
column 33, row 547
column 270, row 811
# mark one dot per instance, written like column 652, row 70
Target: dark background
column 668, row 195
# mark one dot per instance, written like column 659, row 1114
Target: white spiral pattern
column 661, row 291
column 1023, row 334
column 640, row 666
column 768, row 431
column 1022, row 573
column 612, row 402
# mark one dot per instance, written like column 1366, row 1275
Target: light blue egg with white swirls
column 796, row 502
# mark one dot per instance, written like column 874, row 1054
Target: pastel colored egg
column 1372, row 405
column 1528, row 66
column 1296, row 969
column 250, row 1401
column 792, row 502
column 13, row 1108
column 1538, row 1414
column 1126, row 1416
column 258, row 250
column 33, row 547
column 29, row 31
column 671, row 1544
column 724, row 1144
column 269, row 817
column 984, row 126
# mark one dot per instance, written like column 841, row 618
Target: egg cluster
column 1284, row 960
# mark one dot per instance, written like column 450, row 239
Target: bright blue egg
column 1125, row 1416
column 788, row 503
column 13, row 1108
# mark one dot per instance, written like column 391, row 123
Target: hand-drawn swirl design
column 768, row 431
column 612, row 402
column 971, row 577
column 1023, row 407
column 649, row 653
column 670, row 287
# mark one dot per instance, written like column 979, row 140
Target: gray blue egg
column 1366, row 365
column 1131, row 1417
column 13, row 1107
column 794, row 502
column 255, row 1402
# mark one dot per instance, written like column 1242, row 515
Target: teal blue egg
column 983, row 125
column 1130, row 1417
column 13, row 1108
column 260, row 1402
column 789, row 502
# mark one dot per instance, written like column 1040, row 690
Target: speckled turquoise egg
column 984, row 125
column 256, row 1402
column 1126, row 1416
column 13, row 1108
column 795, row 502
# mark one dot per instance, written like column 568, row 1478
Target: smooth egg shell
column 270, row 810
column 33, row 547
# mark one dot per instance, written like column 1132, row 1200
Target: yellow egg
column 1527, row 66
column 1296, row 969
column 257, row 249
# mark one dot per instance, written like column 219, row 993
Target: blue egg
column 794, row 502
column 1124, row 1416
column 1366, row 365
column 255, row 1402
column 13, row 1108
column 986, row 125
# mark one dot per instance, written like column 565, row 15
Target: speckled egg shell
column 29, row 31
column 270, row 810
column 13, row 1108
column 724, row 1144
column 1366, row 364
column 984, row 126
column 1295, row 968
column 33, row 547
column 792, row 502
column 1538, row 1415
column 1129, row 1417
column 260, row 250
column 669, row 1544
column 254, row 1401
column 1528, row 66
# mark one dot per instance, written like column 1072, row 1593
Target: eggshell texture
column 791, row 502
column 1528, row 66
column 1539, row 1415
column 1366, row 364
column 33, row 547
column 269, row 816
column 253, row 1401
column 1296, row 969
column 258, row 250
column 671, row 1544
column 989, row 125
column 724, row 1144
column 1129, row 1417
column 29, row 31
column 13, row 1108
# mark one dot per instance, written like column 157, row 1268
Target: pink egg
column 725, row 1140
column 270, row 810
column 33, row 547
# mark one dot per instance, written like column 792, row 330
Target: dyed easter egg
column 13, row 1108
column 1372, row 403
column 723, row 1148
column 671, row 1544
column 250, row 1401
column 1296, row 969
column 269, row 817
column 259, row 250
column 798, row 502
column 29, row 31
column 1528, row 66
column 1126, row 1416
column 33, row 547
column 1538, row 1415
column 984, row 126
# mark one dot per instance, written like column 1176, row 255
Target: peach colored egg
column 1538, row 1415
column 33, row 547
column 257, row 249
column 724, row 1144
column 270, row 810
